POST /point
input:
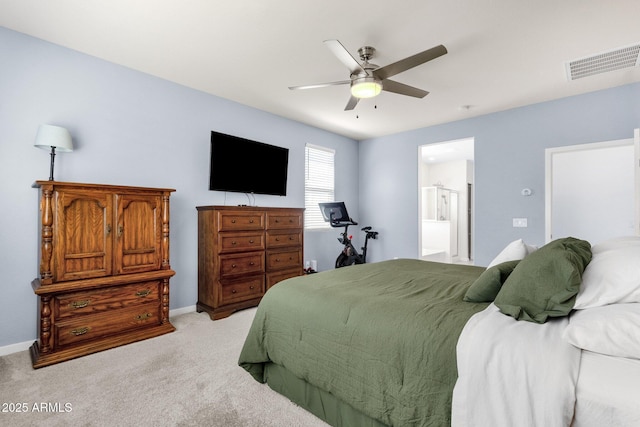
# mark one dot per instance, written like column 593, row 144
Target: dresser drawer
column 244, row 263
column 85, row 328
column 100, row 300
column 278, row 260
column 240, row 220
column 241, row 241
column 241, row 290
column 279, row 220
column 278, row 239
column 279, row 276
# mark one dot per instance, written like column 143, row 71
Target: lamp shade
column 366, row 87
column 53, row 136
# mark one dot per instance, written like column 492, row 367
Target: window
column 318, row 183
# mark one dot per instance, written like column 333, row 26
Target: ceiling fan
column 367, row 79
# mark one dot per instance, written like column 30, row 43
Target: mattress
column 607, row 392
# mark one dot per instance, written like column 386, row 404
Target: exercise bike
column 335, row 213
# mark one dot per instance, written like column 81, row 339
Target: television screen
column 245, row 166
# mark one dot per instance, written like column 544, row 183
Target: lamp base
column 53, row 156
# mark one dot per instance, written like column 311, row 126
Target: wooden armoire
column 104, row 268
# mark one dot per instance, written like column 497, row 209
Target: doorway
column 445, row 190
column 592, row 190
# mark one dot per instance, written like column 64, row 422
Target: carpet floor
column 186, row 378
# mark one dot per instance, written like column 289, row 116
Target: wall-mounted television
column 245, row 166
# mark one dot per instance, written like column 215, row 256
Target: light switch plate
column 519, row 222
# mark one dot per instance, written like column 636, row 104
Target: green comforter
column 379, row 336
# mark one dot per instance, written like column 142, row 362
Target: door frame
column 550, row 152
column 469, row 215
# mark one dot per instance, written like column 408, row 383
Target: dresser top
column 60, row 184
column 245, row 208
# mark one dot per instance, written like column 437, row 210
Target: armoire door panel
column 138, row 233
column 83, row 237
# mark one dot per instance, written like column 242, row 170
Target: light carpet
column 186, row 378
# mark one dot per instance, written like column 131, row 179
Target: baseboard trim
column 22, row 346
column 14, row 348
column 182, row 310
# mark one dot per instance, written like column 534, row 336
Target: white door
column 591, row 191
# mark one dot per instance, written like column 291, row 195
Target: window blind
column 318, row 183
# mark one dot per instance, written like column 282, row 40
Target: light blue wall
column 128, row 128
column 509, row 156
column 133, row 129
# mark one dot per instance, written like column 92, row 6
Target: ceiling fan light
column 366, row 87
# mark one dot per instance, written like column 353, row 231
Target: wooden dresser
column 104, row 268
column 242, row 252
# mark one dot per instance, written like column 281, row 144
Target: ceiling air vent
column 623, row 57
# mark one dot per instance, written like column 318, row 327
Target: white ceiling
column 502, row 53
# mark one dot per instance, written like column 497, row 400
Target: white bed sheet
column 514, row 373
column 607, row 392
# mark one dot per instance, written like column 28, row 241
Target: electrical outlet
column 519, row 222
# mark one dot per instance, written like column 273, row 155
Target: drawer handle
column 80, row 304
column 233, row 266
column 233, row 291
column 290, row 220
column 144, row 316
column 144, row 293
column 251, row 287
column 290, row 238
column 277, row 239
column 80, row 331
column 250, row 221
column 233, row 221
column 234, row 243
column 252, row 263
column 251, row 241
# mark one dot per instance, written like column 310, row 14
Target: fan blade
column 409, row 62
column 342, row 82
column 403, row 89
column 353, row 101
column 344, row 56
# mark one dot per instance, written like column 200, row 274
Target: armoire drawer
column 85, row 328
column 243, row 263
column 241, row 241
column 100, row 300
column 278, row 260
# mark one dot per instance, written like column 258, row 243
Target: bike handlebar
column 337, row 224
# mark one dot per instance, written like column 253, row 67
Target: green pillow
column 487, row 286
column 545, row 283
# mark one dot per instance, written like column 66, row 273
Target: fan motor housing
column 366, row 53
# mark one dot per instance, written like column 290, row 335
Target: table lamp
column 54, row 137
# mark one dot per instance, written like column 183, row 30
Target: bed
column 417, row 343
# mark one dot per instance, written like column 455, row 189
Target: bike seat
column 366, row 228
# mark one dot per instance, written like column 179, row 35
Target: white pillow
column 515, row 250
column 616, row 243
column 612, row 276
column 613, row 330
